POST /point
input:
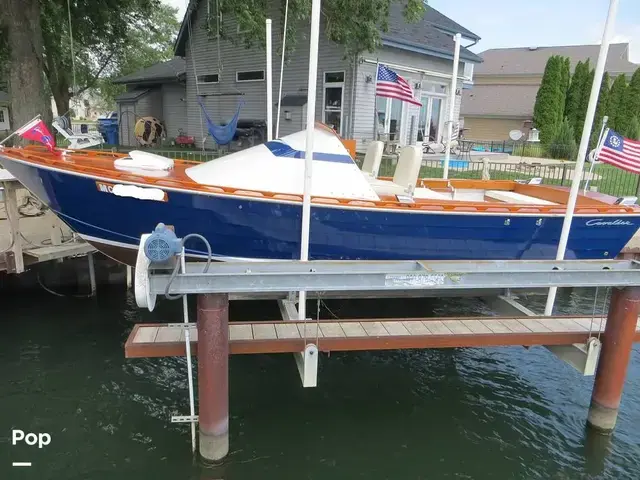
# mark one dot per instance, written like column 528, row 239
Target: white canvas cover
column 278, row 166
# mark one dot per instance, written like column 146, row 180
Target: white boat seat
column 373, row 158
column 138, row 160
column 513, row 197
column 408, row 168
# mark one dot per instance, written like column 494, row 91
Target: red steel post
column 618, row 339
column 213, row 375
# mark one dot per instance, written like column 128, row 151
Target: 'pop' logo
column 30, row 439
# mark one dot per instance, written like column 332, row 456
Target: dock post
column 92, row 274
column 213, row 375
column 129, row 276
column 619, row 333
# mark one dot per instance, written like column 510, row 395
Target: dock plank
column 416, row 328
column 287, row 330
column 438, row 327
column 457, row 327
column 332, row 329
column 395, row 328
column 264, row 331
column 240, row 332
column 168, row 334
column 146, row 335
column 476, row 326
column 515, row 326
column 496, row 326
column 375, row 329
column 534, row 325
column 309, row 330
column 353, row 329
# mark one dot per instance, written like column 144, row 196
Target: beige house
column 506, row 84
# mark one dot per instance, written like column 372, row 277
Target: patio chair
column 439, row 147
column 76, row 141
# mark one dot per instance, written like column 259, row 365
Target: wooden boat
column 248, row 205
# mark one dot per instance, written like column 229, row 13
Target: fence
column 605, row 178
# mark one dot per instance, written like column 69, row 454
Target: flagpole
column 596, row 152
column 584, row 145
column 452, row 104
column 308, row 157
column 375, row 103
column 16, row 132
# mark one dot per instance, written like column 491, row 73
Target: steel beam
column 331, row 276
column 307, row 360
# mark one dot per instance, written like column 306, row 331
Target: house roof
column 532, row 60
column 430, row 36
column 132, row 95
column 174, row 69
column 4, row 97
column 499, row 100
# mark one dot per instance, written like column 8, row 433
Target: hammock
column 222, row 134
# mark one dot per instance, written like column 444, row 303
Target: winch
column 162, row 245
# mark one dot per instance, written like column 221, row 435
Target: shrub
column 563, row 142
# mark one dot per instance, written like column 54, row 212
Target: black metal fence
column 604, row 178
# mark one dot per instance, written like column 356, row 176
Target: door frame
column 326, row 85
column 428, row 98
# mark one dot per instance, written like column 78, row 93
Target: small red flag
column 37, row 131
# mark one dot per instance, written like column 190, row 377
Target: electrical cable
column 174, row 273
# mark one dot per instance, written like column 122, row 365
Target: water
column 500, row 413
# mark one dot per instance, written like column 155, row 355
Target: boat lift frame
column 386, row 278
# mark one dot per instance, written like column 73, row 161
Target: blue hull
column 258, row 229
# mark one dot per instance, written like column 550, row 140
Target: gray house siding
column 363, row 130
column 235, row 58
column 150, row 105
column 174, row 108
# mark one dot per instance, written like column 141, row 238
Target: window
column 334, row 77
column 250, row 76
column 211, row 78
column 1, row 116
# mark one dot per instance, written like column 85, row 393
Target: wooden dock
column 33, row 239
column 166, row 340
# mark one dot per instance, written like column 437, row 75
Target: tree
column 545, row 110
column 581, row 113
column 633, row 131
column 101, row 32
column 565, row 81
column 601, row 110
column 20, row 21
column 354, row 24
column 617, row 101
column 633, row 98
column 563, row 143
column 574, row 94
column 142, row 49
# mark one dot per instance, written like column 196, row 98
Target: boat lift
column 162, row 271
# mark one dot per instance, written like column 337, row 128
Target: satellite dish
column 515, row 135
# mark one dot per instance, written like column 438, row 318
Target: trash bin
column 108, row 128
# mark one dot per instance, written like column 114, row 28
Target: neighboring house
column 158, row 91
column 505, row 85
column 422, row 53
column 5, row 126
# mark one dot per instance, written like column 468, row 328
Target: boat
column 248, row 205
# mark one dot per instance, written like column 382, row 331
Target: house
column 505, row 85
column 158, row 91
column 5, row 126
column 422, row 53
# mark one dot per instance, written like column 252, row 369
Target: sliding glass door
column 430, row 122
column 389, row 115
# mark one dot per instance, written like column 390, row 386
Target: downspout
column 352, row 109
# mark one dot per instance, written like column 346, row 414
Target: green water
column 500, row 413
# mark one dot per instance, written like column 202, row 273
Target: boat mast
column 584, row 144
column 308, row 157
column 452, row 103
column 269, row 83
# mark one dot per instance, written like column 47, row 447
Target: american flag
column 390, row 84
column 620, row 152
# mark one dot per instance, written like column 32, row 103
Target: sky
column 528, row 23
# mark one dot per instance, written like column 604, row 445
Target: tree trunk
column 62, row 98
column 21, row 19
